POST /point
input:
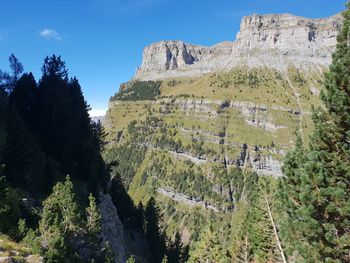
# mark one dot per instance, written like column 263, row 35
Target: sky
column 102, row 40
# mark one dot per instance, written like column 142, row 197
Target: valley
column 199, row 125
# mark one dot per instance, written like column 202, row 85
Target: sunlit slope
column 184, row 145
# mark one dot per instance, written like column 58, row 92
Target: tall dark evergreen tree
column 175, row 249
column 154, row 236
column 22, row 98
column 322, row 191
column 25, row 163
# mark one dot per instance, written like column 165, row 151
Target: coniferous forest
column 62, row 176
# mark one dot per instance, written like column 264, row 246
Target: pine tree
column 165, row 259
column 154, row 237
column 289, row 201
column 22, row 97
column 260, row 227
column 93, row 217
column 208, row 249
column 175, row 249
column 108, row 254
column 131, row 259
column 60, row 220
column 320, row 187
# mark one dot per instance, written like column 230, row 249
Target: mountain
column 197, row 124
column 274, row 41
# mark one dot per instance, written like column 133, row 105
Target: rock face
column 293, row 39
column 177, row 56
column 272, row 40
column 112, row 228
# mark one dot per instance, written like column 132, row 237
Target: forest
column 52, row 172
column 58, row 168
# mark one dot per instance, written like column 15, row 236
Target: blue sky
column 102, row 40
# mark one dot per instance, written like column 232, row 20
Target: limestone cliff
column 112, row 228
column 276, row 41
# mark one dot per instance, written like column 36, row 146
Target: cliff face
column 182, row 58
column 112, row 228
column 292, row 39
column 275, row 41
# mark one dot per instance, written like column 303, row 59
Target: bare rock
column 112, row 228
column 286, row 39
column 34, row 259
column 7, row 260
column 275, row 40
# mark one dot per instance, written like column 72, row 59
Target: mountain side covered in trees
column 164, row 188
column 199, row 146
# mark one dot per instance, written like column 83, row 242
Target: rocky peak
column 178, row 56
column 275, row 40
column 292, row 37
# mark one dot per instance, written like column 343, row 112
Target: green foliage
column 55, row 246
column 22, row 228
column 131, row 259
column 45, row 133
column 9, row 208
column 32, row 240
column 238, row 182
column 128, row 158
column 130, row 216
column 165, row 259
column 208, row 249
column 139, row 90
column 93, row 217
column 108, row 254
column 62, row 227
column 177, row 251
column 60, row 219
column 317, row 181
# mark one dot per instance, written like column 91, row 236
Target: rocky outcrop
column 183, row 58
column 276, row 41
column 182, row 198
column 112, row 228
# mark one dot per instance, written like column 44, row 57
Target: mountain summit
column 275, row 40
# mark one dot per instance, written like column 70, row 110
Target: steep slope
column 211, row 117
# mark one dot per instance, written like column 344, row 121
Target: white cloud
column 97, row 112
column 50, row 34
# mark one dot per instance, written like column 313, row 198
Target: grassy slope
column 282, row 93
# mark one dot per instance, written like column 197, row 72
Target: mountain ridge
column 263, row 40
